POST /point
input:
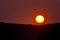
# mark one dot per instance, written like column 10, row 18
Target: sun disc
column 39, row 19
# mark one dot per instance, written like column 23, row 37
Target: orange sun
column 39, row 19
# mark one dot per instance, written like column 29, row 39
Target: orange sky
column 23, row 11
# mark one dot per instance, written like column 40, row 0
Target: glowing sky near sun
column 22, row 11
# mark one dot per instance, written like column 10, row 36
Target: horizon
column 29, row 24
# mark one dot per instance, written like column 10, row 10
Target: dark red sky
column 22, row 11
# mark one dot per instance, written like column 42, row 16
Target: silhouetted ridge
column 10, row 31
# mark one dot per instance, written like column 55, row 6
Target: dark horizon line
column 25, row 24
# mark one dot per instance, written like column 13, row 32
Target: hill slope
column 29, row 32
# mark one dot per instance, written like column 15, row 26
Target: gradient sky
column 22, row 11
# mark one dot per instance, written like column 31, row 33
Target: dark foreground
column 29, row 32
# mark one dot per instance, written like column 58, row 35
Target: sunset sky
column 23, row 11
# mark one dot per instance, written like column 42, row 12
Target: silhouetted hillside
column 10, row 31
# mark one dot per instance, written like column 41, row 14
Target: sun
column 39, row 19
